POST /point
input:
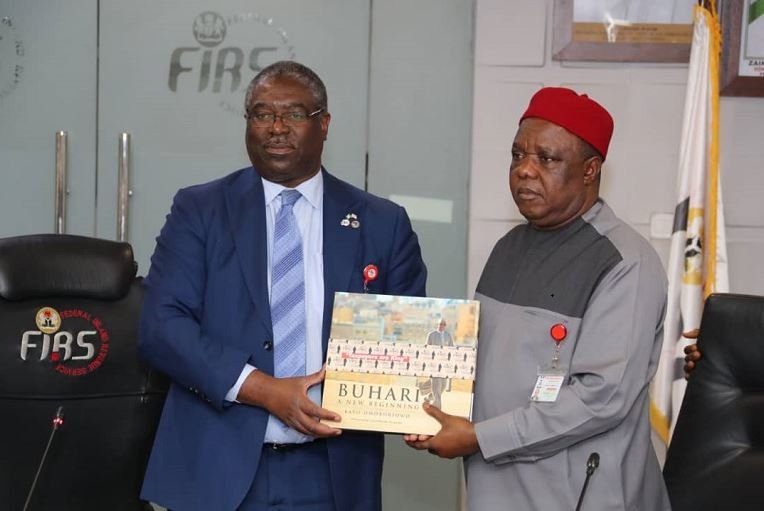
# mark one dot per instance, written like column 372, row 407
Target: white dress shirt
column 309, row 213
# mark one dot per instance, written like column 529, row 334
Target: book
column 387, row 355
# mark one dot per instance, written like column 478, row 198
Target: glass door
column 47, row 85
column 173, row 76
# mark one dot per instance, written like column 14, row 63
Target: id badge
column 548, row 383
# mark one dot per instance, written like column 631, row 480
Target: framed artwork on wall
column 742, row 61
column 622, row 31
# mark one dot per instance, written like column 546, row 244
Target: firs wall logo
column 73, row 340
column 228, row 53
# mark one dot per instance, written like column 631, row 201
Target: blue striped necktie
column 288, row 292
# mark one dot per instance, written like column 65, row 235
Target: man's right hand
column 287, row 399
column 691, row 356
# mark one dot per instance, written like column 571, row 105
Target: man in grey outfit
column 572, row 308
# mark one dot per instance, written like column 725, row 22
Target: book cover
column 387, row 355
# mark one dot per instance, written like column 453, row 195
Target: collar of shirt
column 312, row 190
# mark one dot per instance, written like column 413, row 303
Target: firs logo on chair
column 73, row 340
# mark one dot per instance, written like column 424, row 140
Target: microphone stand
column 591, row 465
column 58, row 421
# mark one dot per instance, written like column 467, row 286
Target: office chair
column 715, row 461
column 69, row 309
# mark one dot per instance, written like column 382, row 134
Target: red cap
column 577, row 113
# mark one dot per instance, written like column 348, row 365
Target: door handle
column 123, row 186
column 62, row 143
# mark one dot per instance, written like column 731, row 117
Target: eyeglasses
column 263, row 119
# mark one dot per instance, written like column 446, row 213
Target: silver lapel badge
column 350, row 220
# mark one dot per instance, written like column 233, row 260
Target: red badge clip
column 558, row 332
column 370, row 274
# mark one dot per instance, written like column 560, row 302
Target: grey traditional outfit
column 606, row 285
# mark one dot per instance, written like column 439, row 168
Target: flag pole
column 709, row 284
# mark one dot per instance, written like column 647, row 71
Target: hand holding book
column 287, row 399
column 456, row 436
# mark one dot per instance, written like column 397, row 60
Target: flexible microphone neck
column 58, row 421
column 591, row 465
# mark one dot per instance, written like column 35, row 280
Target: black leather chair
column 69, row 309
column 715, row 461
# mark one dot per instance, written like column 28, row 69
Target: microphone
column 591, row 465
column 58, row 421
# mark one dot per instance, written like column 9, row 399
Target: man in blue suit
column 240, row 323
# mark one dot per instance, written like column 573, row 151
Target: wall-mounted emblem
column 73, row 340
column 209, row 29
column 226, row 52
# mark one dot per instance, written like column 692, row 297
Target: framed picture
column 618, row 31
column 742, row 62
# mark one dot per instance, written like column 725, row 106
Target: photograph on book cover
column 388, row 355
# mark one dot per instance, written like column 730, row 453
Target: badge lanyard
column 550, row 377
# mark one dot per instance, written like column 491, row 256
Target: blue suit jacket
column 206, row 313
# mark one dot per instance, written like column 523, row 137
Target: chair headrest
column 732, row 342
column 47, row 265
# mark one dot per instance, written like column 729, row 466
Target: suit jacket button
column 268, row 345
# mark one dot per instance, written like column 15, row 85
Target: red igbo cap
column 578, row 114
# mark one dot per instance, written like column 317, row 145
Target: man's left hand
column 455, row 438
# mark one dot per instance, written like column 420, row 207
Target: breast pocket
column 540, row 332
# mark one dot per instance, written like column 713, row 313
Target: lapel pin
column 350, row 220
column 370, row 274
